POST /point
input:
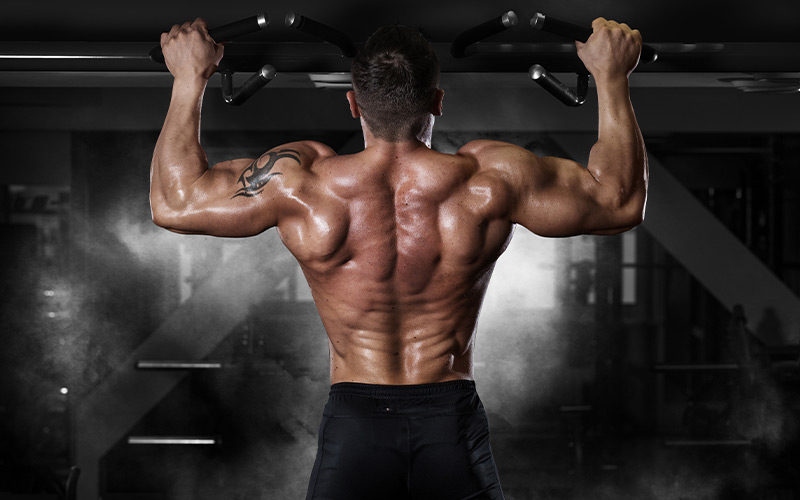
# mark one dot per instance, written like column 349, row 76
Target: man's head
column 395, row 79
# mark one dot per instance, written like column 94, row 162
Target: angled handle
column 323, row 31
column 563, row 93
column 248, row 88
column 580, row 33
column 482, row 31
column 225, row 32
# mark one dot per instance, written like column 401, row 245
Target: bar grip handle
column 239, row 28
column 322, row 31
column 482, row 31
column 225, row 32
column 248, row 88
column 581, row 33
column 563, row 93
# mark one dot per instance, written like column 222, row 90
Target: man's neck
column 382, row 146
column 423, row 139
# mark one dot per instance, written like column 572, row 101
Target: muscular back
column 397, row 247
column 398, row 242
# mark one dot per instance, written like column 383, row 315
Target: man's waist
column 358, row 399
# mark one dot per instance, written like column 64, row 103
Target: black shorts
column 420, row 442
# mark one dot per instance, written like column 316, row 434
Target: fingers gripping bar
column 574, row 32
column 226, row 32
column 580, row 33
column 229, row 32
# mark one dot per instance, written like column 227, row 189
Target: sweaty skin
column 398, row 242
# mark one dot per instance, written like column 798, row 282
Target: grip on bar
column 563, row 93
column 226, row 32
column 482, row 31
column 322, row 31
column 580, row 33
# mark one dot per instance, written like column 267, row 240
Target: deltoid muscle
column 254, row 178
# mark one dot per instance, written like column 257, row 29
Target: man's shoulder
column 486, row 148
column 308, row 152
column 490, row 154
column 480, row 146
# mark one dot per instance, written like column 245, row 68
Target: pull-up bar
column 321, row 31
column 481, row 32
column 226, row 32
column 581, row 33
column 537, row 73
column 267, row 72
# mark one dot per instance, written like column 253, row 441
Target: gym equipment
column 321, row 31
column 581, row 33
column 179, row 440
column 248, row 88
column 465, row 45
column 71, row 490
column 177, row 365
column 228, row 32
column 574, row 32
column 470, row 37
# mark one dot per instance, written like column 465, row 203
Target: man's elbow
column 164, row 216
column 159, row 219
column 632, row 213
column 621, row 213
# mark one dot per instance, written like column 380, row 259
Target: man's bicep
column 555, row 197
column 565, row 199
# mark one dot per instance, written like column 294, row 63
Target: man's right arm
column 559, row 197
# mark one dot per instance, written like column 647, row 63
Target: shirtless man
column 398, row 243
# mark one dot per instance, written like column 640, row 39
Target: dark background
column 583, row 344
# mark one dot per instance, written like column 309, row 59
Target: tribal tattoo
column 254, row 178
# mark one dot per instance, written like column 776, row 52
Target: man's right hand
column 612, row 51
column 190, row 52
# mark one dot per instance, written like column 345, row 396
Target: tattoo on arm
column 254, row 178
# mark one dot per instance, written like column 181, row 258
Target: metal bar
column 482, row 31
column 248, row 88
column 175, row 440
column 560, row 91
column 178, row 365
column 321, row 31
column 225, row 32
column 697, row 367
column 319, row 57
column 708, row 442
column 580, row 33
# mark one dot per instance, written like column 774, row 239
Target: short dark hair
column 395, row 77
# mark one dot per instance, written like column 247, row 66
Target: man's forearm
column 178, row 159
column 618, row 160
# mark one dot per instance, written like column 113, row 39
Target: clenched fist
column 612, row 51
column 190, row 52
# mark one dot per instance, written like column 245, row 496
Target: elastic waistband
column 403, row 391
